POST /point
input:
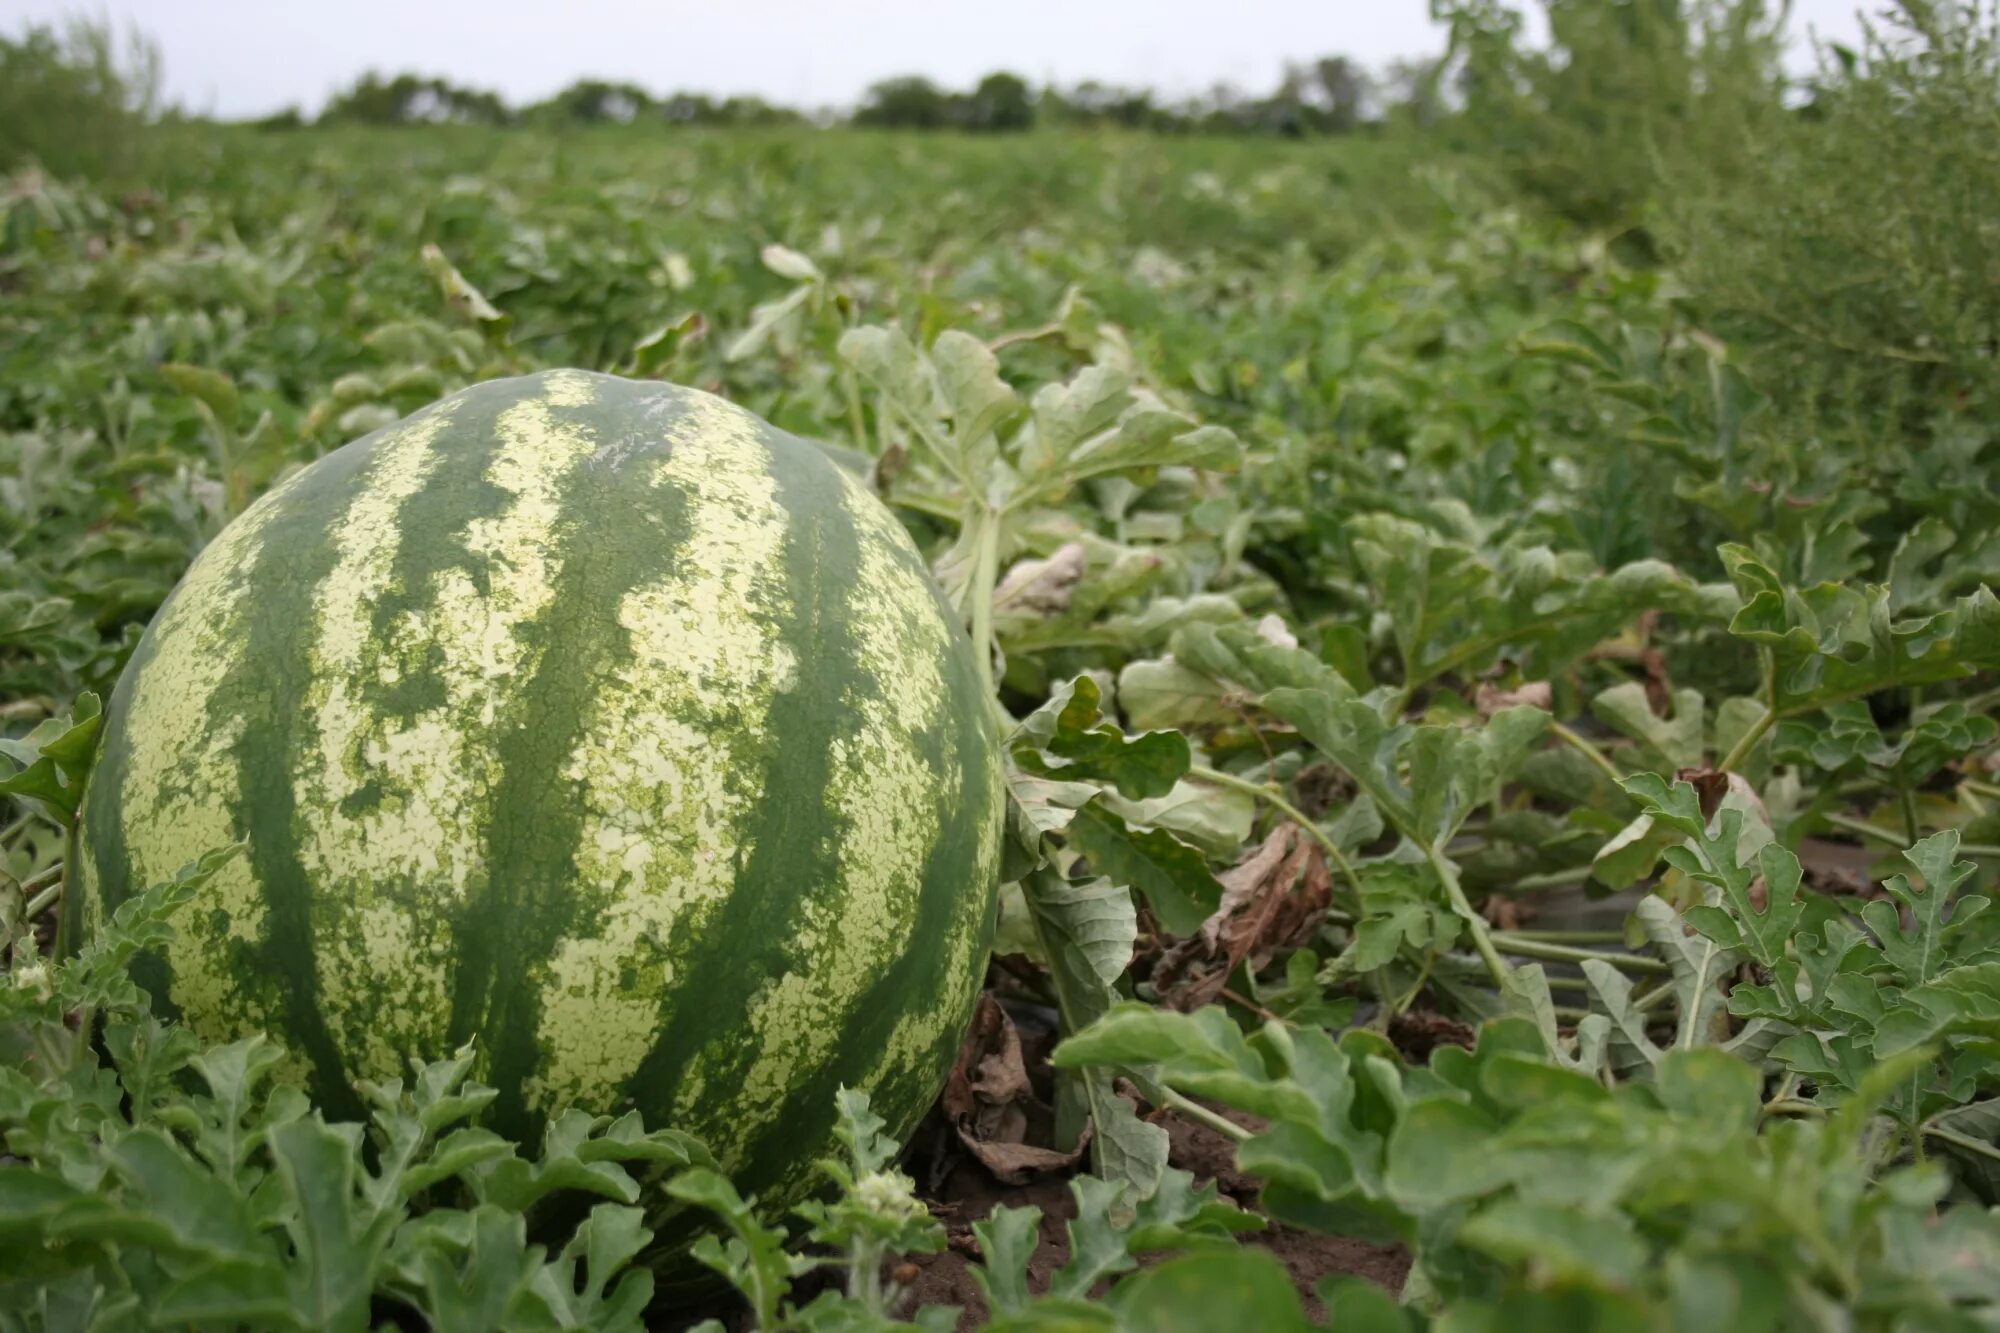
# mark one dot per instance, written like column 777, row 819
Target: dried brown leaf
column 1271, row 900
column 1534, row 694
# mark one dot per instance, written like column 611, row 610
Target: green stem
column 1906, row 800
column 1569, row 936
column 1203, row 773
column 1195, row 1111
column 1510, row 942
column 928, row 434
column 924, row 504
column 35, row 883
column 1894, row 839
column 1965, row 1141
column 985, row 573
column 1552, row 879
column 1652, row 998
column 1482, row 938
column 42, row 901
column 1588, row 751
column 857, row 419
column 1423, row 979
column 1748, row 740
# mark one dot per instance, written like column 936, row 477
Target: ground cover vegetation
column 1492, row 614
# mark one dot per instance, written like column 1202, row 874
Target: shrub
column 1856, row 247
column 76, row 99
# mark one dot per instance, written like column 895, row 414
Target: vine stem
column 42, row 901
column 985, row 573
column 42, row 889
column 1748, row 740
column 1587, row 750
column 1965, row 1141
column 1528, row 947
column 1245, row 1002
column 1653, row 997
column 1482, row 938
column 1553, row 879
column 1569, row 936
column 1195, row 1111
column 1893, row 839
column 1203, row 773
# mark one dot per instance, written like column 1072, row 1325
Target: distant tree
column 1001, row 102
column 1345, row 89
column 909, row 102
column 751, row 110
column 1413, row 90
column 595, row 102
column 76, row 99
column 1091, row 102
column 288, row 119
column 410, row 99
column 688, row 109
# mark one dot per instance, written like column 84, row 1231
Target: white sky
column 247, row 57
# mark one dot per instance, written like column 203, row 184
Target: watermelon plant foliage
column 1467, row 742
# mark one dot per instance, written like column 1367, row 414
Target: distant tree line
column 1333, row 95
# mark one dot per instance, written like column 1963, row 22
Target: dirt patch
column 969, row 1193
column 986, row 1103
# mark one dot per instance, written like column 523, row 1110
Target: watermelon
column 596, row 722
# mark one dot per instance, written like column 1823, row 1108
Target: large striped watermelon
column 594, row 720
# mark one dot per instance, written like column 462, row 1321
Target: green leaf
column 1007, row 1239
column 1568, row 1246
column 753, row 1260
column 1216, row 1289
column 55, row 759
column 1917, row 950
column 336, row 1243
column 1173, row 876
column 1218, row 820
column 1833, row 642
column 1701, row 969
column 1068, row 739
column 1087, row 932
column 1442, row 1152
column 1711, row 1086
column 478, row 1285
column 977, row 399
column 1665, row 743
column 604, row 1246
column 211, row 388
column 1964, row 1001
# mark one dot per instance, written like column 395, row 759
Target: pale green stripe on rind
column 376, row 941
column 383, row 954
column 665, row 757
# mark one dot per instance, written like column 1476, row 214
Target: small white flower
column 888, row 1194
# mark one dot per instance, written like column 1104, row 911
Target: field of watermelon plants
column 1501, row 780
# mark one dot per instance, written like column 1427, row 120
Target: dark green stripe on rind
column 100, row 837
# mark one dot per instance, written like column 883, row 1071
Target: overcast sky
column 247, row 57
